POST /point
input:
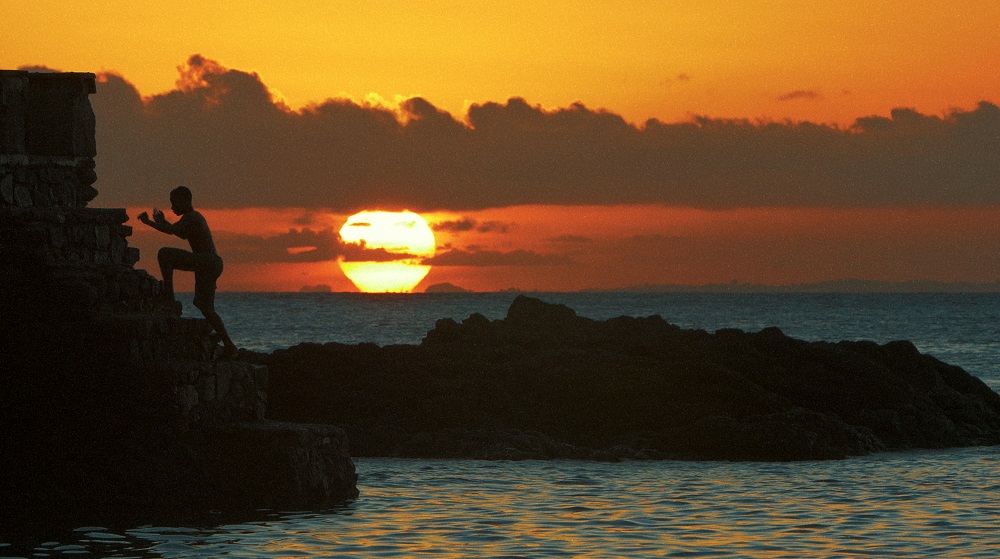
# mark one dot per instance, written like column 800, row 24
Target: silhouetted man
column 202, row 259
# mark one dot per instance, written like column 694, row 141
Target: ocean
column 912, row 504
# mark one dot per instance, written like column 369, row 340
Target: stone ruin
column 103, row 399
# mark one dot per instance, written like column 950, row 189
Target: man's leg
column 205, row 274
column 208, row 310
column 170, row 259
column 167, row 259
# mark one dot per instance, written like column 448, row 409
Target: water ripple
column 928, row 504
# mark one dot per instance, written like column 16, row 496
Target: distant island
column 445, row 288
column 847, row 285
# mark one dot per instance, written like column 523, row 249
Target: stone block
column 57, row 237
column 224, row 377
column 46, row 174
column 59, row 118
column 118, row 247
column 85, row 173
column 35, row 236
column 52, row 256
column 132, row 256
column 186, row 398
column 12, row 84
column 7, row 188
column 206, row 387
column 43, row 196
column 89, row 237
column 22, row 197
column 67, row 193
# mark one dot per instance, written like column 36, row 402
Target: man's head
column 180, row 200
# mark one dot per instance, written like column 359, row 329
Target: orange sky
column 597, row 247
column 882, row 199
column 828, row 62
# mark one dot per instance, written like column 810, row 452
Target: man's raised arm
column 158, row 222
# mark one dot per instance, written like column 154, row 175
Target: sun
column 391, row 246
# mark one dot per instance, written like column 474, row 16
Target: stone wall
column 95, row 371
column 47, row 139
column 69, row 265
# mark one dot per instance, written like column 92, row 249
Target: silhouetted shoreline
column 546, row 383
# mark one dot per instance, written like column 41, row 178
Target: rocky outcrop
column 546, row 383
column 107, row 401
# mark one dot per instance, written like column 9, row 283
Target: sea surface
column 913, row 504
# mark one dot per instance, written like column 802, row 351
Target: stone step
column 200, row 393
column 50, row 237
column 80, row 290
column 153, row 338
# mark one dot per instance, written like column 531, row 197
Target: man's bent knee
column 167, row 254
column 175, row 258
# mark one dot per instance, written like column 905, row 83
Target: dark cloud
column 223, row 133
column 358, row 252
column 493, row 227
column 478, row 257
column 807, row 94
column 305, row 219
column 455, row 226
column 299, row 245
column 468, row 224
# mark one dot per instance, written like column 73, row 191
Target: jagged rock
column 629, row 388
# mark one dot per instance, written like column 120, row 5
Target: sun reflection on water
column 929, row 504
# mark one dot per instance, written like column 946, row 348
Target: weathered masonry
column 104, row 400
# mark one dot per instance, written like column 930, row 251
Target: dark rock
column 269, row 464
column 530, row 312
column 545, row 383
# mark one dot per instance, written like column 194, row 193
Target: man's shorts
column 207, row 268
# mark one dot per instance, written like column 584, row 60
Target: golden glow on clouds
column 833, row 61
